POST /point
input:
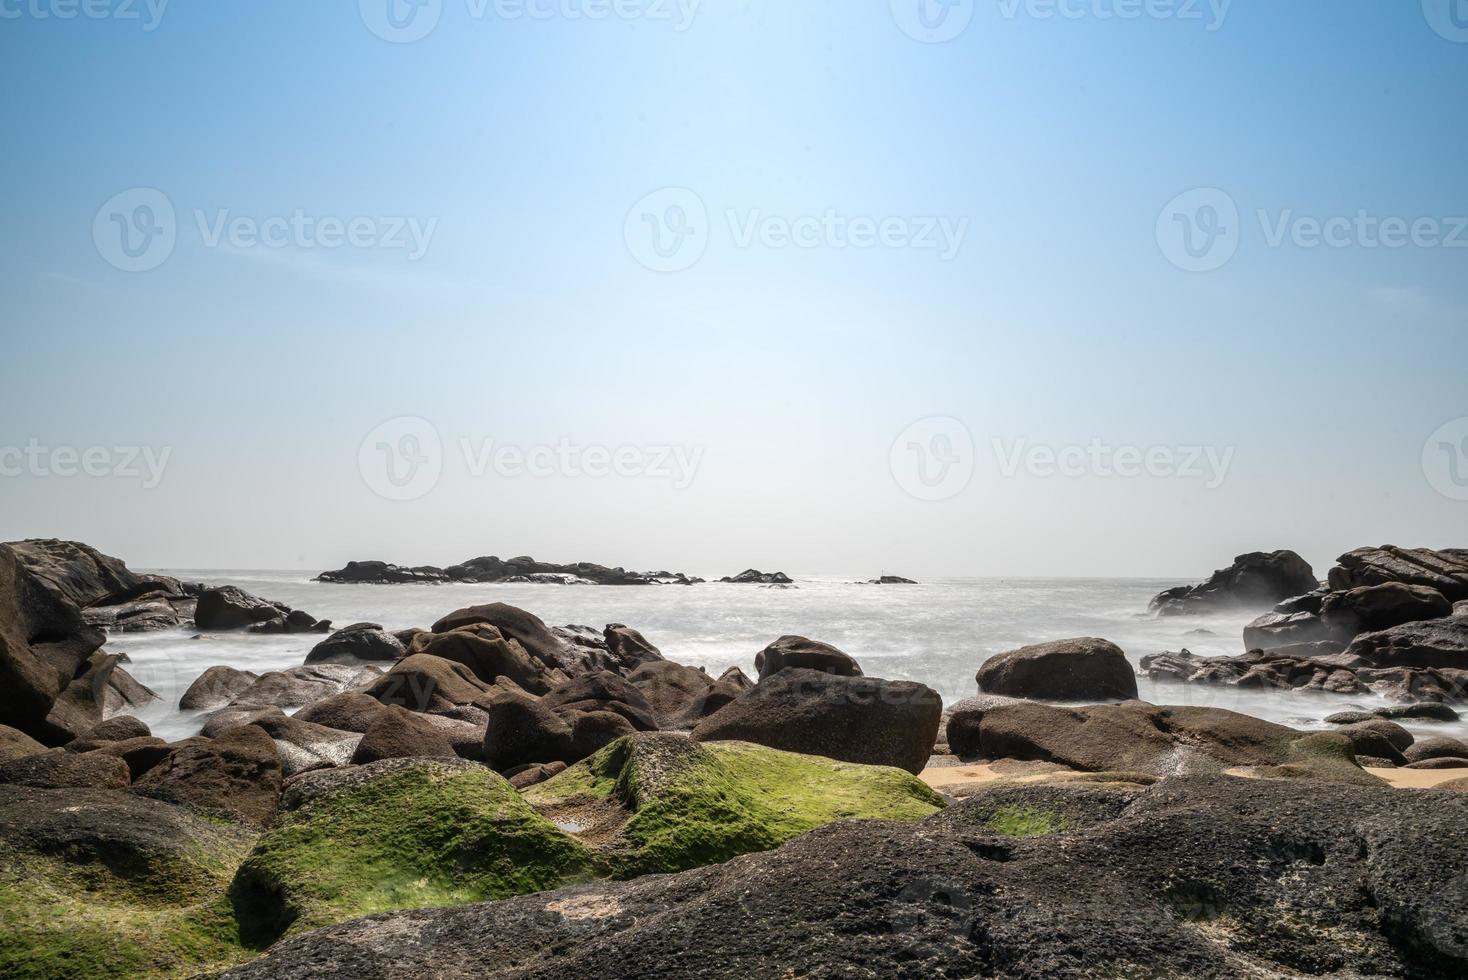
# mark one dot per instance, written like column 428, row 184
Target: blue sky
column 524, row 144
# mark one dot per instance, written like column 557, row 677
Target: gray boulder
column 1083, row 669
column 797, row 651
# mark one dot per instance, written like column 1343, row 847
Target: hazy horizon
column 1011, row 289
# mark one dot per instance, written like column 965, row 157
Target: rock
column 797, row 651
column 1430, row 643
column 1163, row 741
column 753, row 576
column 1439, row 747
column 1369, row 608
column 399, row 833
column 349, row 711
column 1085, row 669
column 1349, row 717
column 488, row 654
column 84, row 576
column 139, row 754
column 15, row 744
column 1445, row 762
column 657, row 803
column 523, row 731
column 237, row 774
column 1310, row 602
column 603, row 691
column 891, row 580
column 381, row 573
column 101, row 688
column 57, row 768
column 1446, row 570
column 216, row 687
column 1357, row 881
column 302, row 745
column 1323, row 673
column 140, row 616
column 852, row 719
column 592, row 731
column 516, row 625
column 103, row 884
column 401, row 734
column 1378, row 737
column 961, row 725
column 117, row 729
column 681, row 696
column 1278, row 630
column 231, row 608
column 421, row 682
column 530, row 775
column 1257, row 579
column 295, row 687
column 737, row 678
column 355, row 643
column 628, row 648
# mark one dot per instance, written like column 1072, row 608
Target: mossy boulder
column 103, row 883
column 397, row 834
column 660, row 802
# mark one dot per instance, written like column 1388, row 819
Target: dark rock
column 230, row 608
column 238, row 774
column 401, row 734
column 1378, row 607
column 523, row 731
column 753, row 576
column 1426, row 711
column 961, row 722
column 140, row 754
column 1378, row 737
column 15, row 744
column 349, row 711
column 117, row 729
column 528, row 776
column 799, row 652
column 358, row 642
column 594, row 730
column 1446, row 570
column 423, row 683
column 852, row 719
column 515, row 624
column 1445, row 762
column 84, row 576
column 303, row 746
column 891, row 580
column 1258, row 579
column 681, row 696
column 604, row 691
column 492, row 569
column 629, row 648
column 1084, row 669
column 295, row 687
column 1276, row 630
column 1430, row 643
column 737, row 678
column 1310, row 602
column 381, row 573
column 57, row 769
column 1357, row 881
column 216, row 687
column 1439, row 747
column 484, row 649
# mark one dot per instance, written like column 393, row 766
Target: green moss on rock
column 394, row 835
column 1025, row 821
column 662, row 803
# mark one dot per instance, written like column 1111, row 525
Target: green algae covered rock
column 656, row 802
column 397, row 834
column 100, row 883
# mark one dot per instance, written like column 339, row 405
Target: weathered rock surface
column 1195, row 877
column 1440, row 643
column 420, row 682
column 15, row 743
column 401, row 734
column 489, row 655
column 57, row 768
column 229, row 607
column 356, row 643
column 1083, row 669
column 797, row 651
column 216, row 687
column 1445, row 571
column 237, row 774
column 852, row 719
column 681, row 696
column 296, row 687
column 1377, row 607
column 1258, row 579
column 1321, row 673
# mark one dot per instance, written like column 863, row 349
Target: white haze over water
column 937, row 632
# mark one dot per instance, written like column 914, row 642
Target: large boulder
column 513, row 623
column 853, row 719
column 57, row 768
column 484, row 650
column 1430, row 643
column 797, row 651
column 1377, row 607
column 628, row 648
column 394, row 834
column 1437, row 747
column 1083, row 669
column 1257, row 580
column 356, row 643
column 15, row 743
column 83, row 575
column 302, row 745
column 523, row 731
column 753, row 576
column 603, row 691
column 425, row 683
column 961, row 722
column 656, row 802
column 1197, row 877
column 216, row 687
column 108, row 885
column 1445, row 571
column 295, row 687
column 382, row 573
column 1256, row 670
column 681, row 696
column 1279, row 630
column 237, row 775
column 349, row 711
column 231, row 608
column 398, row 733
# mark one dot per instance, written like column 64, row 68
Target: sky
column 1019, row 287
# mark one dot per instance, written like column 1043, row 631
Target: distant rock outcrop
column 1258, row 579
column 492, row 570
column 753, row 576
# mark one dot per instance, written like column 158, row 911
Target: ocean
column 937, row 632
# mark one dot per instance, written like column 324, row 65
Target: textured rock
column 797, row 651
column 237, row 774
column 679, row 696
column 358, row 642
column 1258, row 579
column 1446, row 570
column 58, row 768
column 15, row 744
column 216, row 687
column 1377, row 607
column 1431, row 643
column 401, row 734
column 484, row 650
column 1084, row 669
column 423, row 683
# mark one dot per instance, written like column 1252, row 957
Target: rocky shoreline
column 493, row 795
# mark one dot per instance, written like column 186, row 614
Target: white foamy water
column 937, row 632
